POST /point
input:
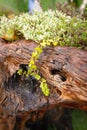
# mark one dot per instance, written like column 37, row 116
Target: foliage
column 17, row 6
column 52, row 3
column 79, row 120
column 49, row 28
column 49, row 4
column 13, row 6
column 77, row 2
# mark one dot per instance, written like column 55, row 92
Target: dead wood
column 64, row 68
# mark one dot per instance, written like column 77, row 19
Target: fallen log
column 64, row 68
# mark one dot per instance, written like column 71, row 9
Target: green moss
column 50, row 25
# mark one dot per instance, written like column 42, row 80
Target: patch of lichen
column 51, row 25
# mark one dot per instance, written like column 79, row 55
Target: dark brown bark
column 64, row 68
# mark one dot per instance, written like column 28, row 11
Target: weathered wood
column 7, row 121
column 64, row 68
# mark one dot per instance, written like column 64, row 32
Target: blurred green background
column 17, row 6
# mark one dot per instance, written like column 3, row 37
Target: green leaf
column 34, row 67
column 44, row 88
column 55, row 43
column 30, row 70
column 43, row 44
column 35, row 55
column 43, row 80
column 31, row 62
column 37, row 76
column 20, row 72
column 38, row 49
column 24, row 73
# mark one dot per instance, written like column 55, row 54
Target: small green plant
column 50, row 28
column 34, row 71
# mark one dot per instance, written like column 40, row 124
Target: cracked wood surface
column 64, row 68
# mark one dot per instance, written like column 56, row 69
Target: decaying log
column 7, row 121
column 64, row 68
